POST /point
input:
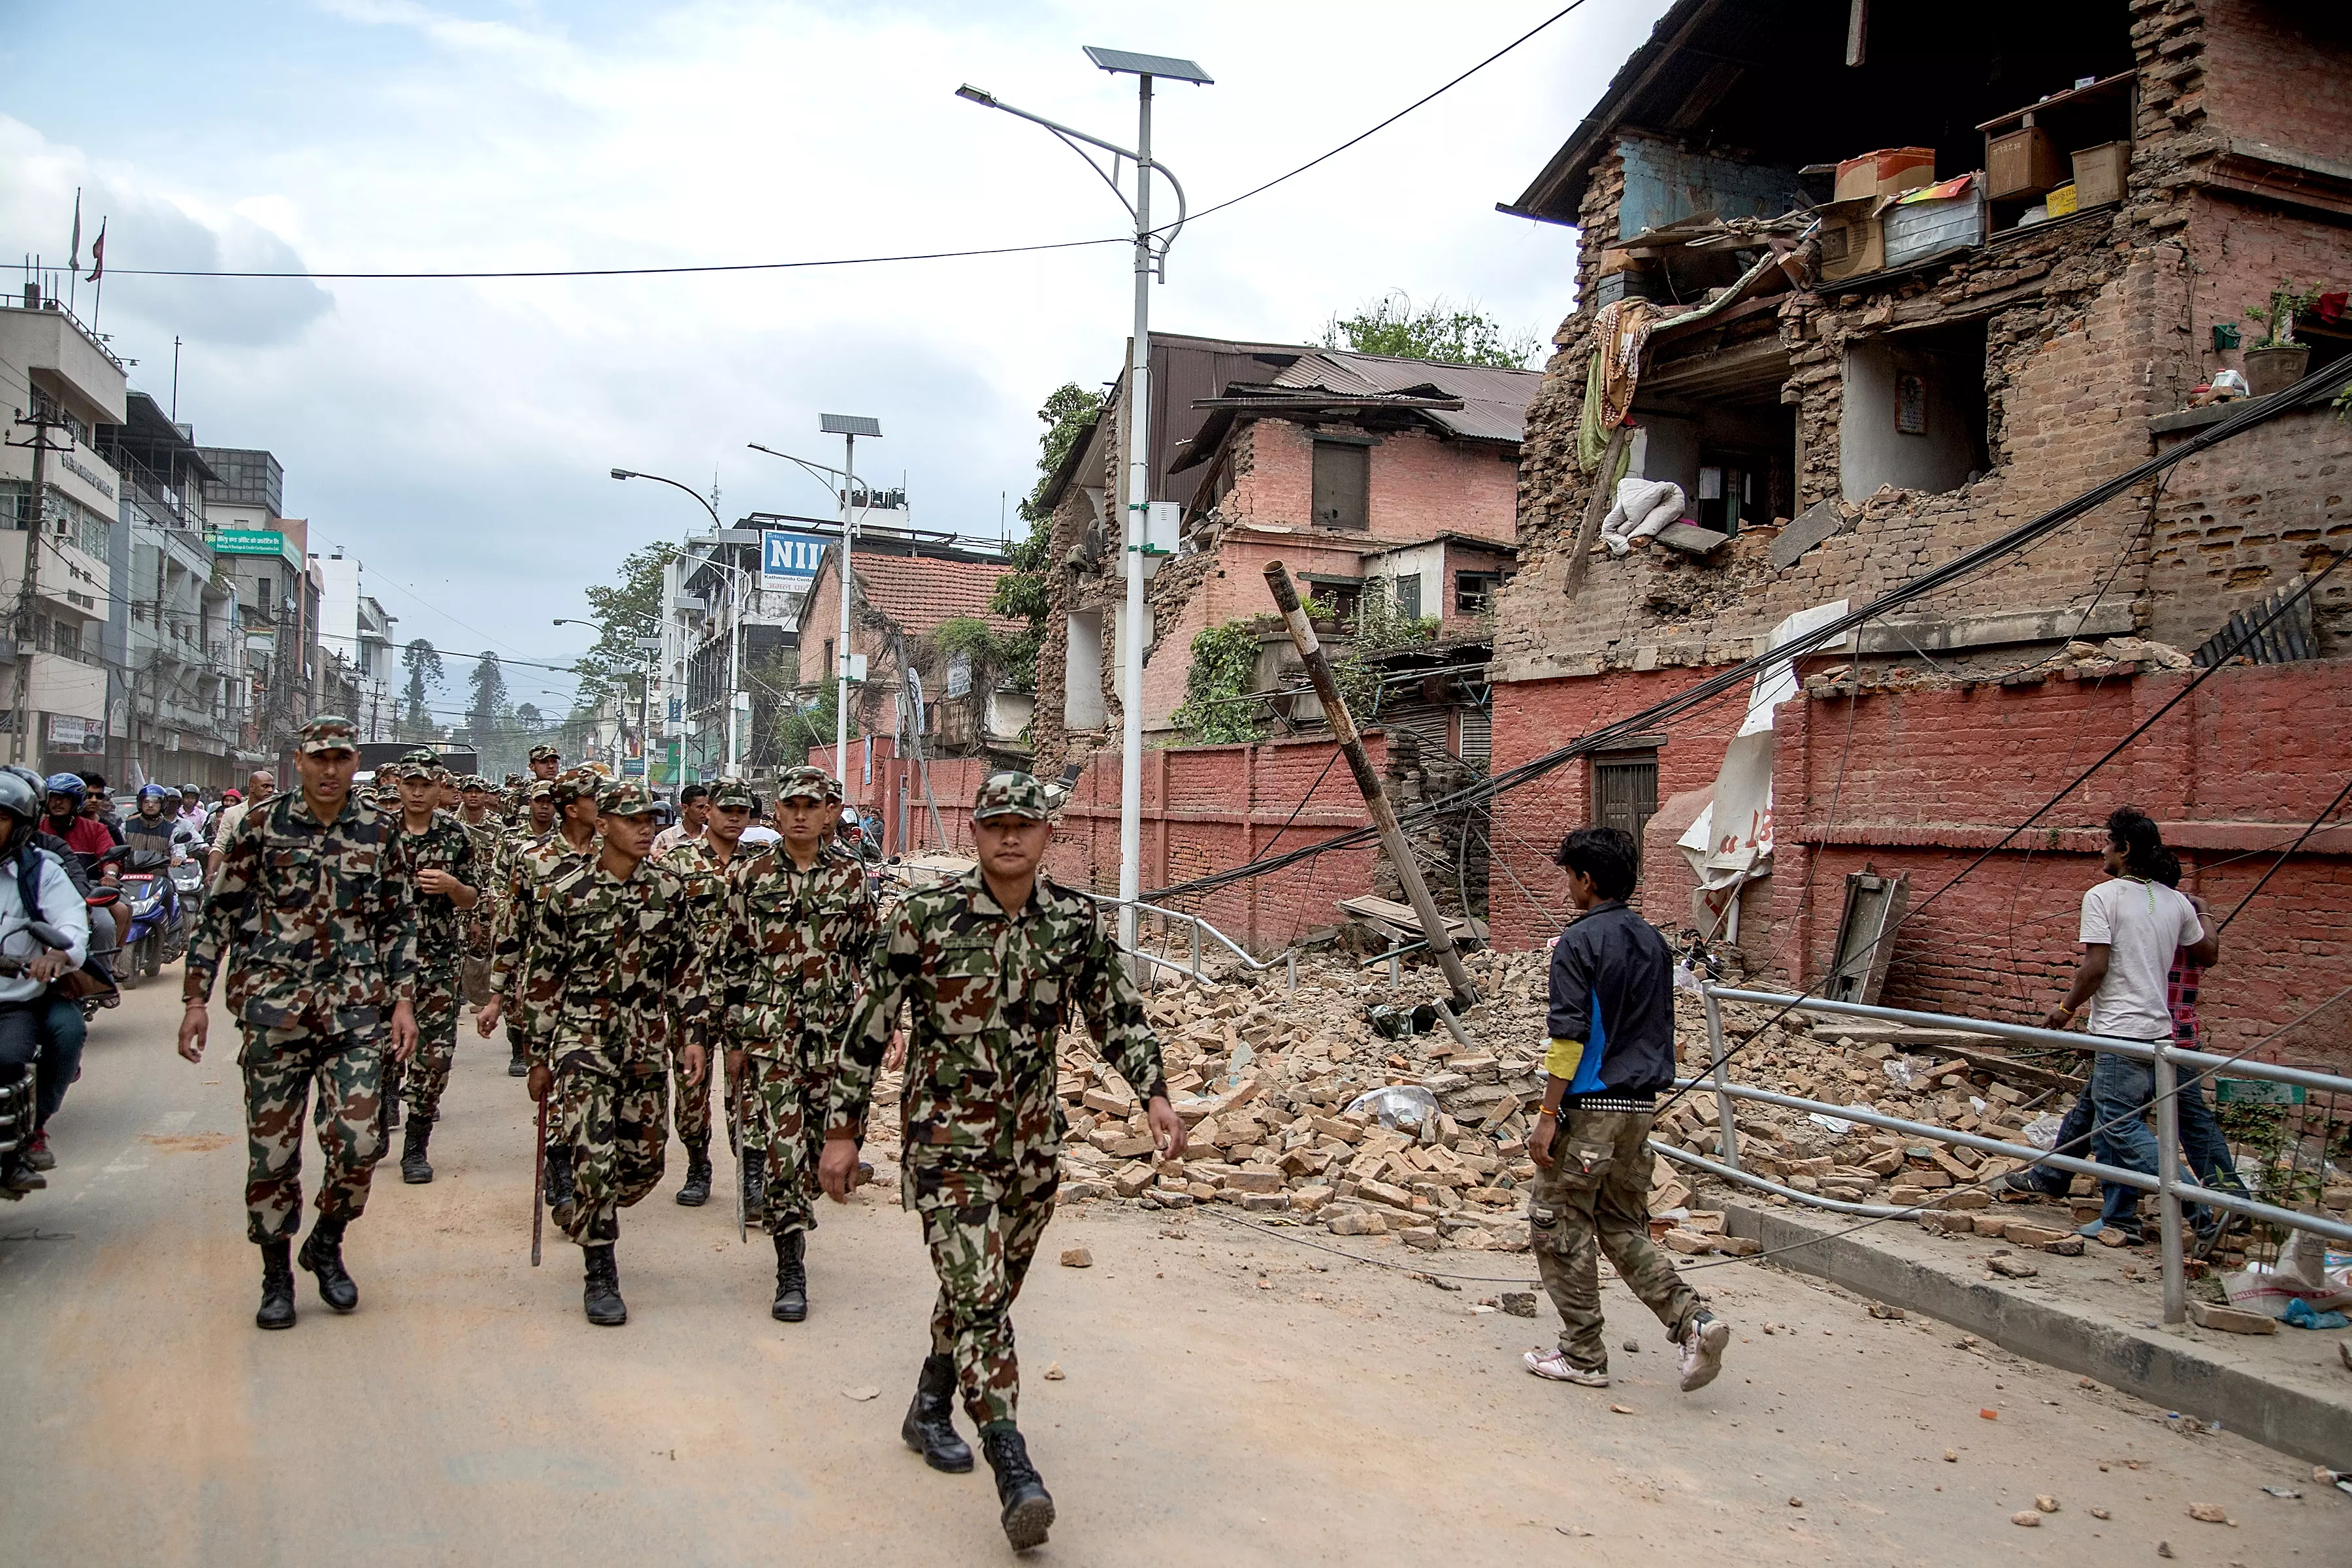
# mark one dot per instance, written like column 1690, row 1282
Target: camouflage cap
column 538, row 789
column 1009, row 794
column 571, row 785
column 833, row 791
column 803, row 783
column 471, row 783
column 626, row 797
column 514, row 781
column 544, row 753
column 330, row 732
column 738, row 792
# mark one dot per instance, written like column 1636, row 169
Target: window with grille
column 1626, row 790
column 1342, row 485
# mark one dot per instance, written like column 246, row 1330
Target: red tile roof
column 919, row 592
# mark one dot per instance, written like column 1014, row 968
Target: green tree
column 1224, row 671
column 423, row 662
column 624, row 611
column 1440, row 330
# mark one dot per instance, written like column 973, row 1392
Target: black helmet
column 19, row 799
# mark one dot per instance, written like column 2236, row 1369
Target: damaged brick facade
column 2091, row 330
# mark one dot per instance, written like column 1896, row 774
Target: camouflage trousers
column 280, row 1067
column 785, row 1115
column 617, row 1128
column 437, row 1039
column 689, row 1103
column 982, row 1218
column 1596, row 1198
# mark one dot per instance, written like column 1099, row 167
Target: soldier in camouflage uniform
column 990, row 966
column 439, row 854
column 801, row 923
column 538, row 818
column 530, row 868
column 314, row 915
column 613, row 976
column 546, row 763
column 474, row 814
column 702, row 862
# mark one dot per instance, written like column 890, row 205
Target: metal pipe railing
column 2171, row 1189
column 1287, row 957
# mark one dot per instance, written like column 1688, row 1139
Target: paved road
column 1228, row 1397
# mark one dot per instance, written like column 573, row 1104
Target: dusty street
column 1228, row 1397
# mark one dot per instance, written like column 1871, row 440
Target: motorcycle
column 188, row 896
column 154, row 909
column 18, row 1105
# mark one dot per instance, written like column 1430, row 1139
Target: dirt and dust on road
column 1202, row 1391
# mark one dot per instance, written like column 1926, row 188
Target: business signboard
column 788, row 561
column 246, row 542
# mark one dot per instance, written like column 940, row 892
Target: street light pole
column 734, row 625
column 848, row 426
column 1150, row 258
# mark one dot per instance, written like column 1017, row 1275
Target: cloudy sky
column 456, row 436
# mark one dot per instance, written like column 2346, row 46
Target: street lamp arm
column 1159, row 238
column 702, row 499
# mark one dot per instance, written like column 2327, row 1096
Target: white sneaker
column 1703, row 1345
column 1554, row 1366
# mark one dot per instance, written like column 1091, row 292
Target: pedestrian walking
column 801, row 926
column 1612, row 1022
column 989, row 967
column 703, row 863
column 440, row 855
column 313, row 917
column 693, row 813
column 475, row 797
column 613, row 975
column 2132, row 930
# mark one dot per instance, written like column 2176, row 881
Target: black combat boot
column 276, row 1286
column 792, row 1276
column 519, row 1067
column 1028, row 1509
column 697, row 1190
column 600, row 1295
column 755, row 1185
column 322, row 1255
column 414, row 1168
column 559, row 1174
column 929, row 1428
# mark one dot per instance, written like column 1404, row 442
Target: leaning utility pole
column 1376, row 800
column 36, row 516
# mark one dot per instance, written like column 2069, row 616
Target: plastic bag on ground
column 1401, row 1108
column 2042, row 1130
column 1898, row 1071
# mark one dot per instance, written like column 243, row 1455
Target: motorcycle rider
column 40, row 1035
column 85, row 836
column 150, row 832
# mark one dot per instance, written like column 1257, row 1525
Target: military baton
column 539, row 1180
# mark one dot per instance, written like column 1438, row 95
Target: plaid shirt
column 2180, row 997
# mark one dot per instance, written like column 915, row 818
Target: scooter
column 18, row 1105
column 154, row 907
column 187, row 896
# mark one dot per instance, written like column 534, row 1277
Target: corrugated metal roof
column 1495, row 397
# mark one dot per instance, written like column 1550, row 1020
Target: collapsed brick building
column 1362, row 473
column 1841, row 411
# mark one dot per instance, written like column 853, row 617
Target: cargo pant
column 436, row 1037
column 279, row 1066
column 1596, row 1198
column 784, row 1115
column 473, row 979
column 982, row 1218
column 689, row 1103
column 617, row 1125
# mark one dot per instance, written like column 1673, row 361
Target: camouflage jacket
column 445, row 846
column 795, row 946
column 531, row 864
column 317, row 922
column 487, row 836
column 614, row 974
column 990, row 993
column 706, row 889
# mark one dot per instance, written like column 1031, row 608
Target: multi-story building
column 355, row 633
column 716, row 603
column 265, row 555
column 173, row 636
column 58, row 375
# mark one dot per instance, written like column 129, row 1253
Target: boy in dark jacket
column 1612, row 1050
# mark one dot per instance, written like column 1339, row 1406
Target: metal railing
column 1287, row 957
column 2170, row 1187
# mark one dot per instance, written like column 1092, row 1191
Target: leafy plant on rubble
column 1378, row 629
column 1224, row 671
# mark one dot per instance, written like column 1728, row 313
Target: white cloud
column 456, row 436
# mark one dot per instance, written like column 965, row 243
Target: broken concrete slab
column 1815, row 523
column 1690, row 539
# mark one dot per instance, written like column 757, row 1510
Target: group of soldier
column 352, row 929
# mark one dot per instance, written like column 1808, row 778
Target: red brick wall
column 1932, row 777
column 2280, row 74
column 1205, row 808
column 1420, row 484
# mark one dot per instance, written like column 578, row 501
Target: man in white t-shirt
column 2132, row 926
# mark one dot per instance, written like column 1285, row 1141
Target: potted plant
column 2277, row 362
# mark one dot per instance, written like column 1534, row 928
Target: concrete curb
column 2175, row 1373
